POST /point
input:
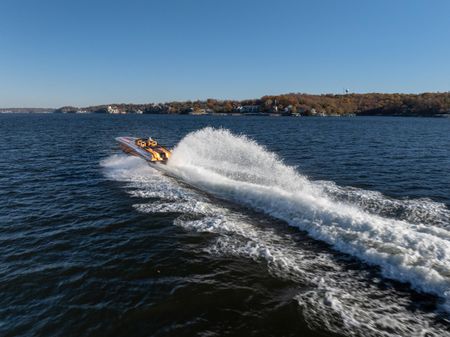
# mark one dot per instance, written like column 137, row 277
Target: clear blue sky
column 79, row 52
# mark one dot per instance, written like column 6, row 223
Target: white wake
column 238, row 169
column 411, row 246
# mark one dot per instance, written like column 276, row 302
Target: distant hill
column 372, row 104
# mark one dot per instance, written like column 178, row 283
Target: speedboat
column 145, row 148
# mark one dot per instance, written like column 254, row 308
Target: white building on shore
column 115, row 110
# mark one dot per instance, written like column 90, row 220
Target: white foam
column 337, row 299
column 238, row 169
column 414, row 211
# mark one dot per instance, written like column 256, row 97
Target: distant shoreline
column 293, row 104
column 231, row 115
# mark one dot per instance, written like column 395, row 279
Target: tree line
column 425, row 104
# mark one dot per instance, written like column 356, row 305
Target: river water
column 256, row 226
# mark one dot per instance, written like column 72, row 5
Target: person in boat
column 159, row 153
column 151, row 142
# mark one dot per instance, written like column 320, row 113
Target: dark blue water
column 93, row 243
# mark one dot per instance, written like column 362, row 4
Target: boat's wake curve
column 237, row 168
column 408, row 240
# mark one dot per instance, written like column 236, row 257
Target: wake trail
column 331, row 292
column 412, row 248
